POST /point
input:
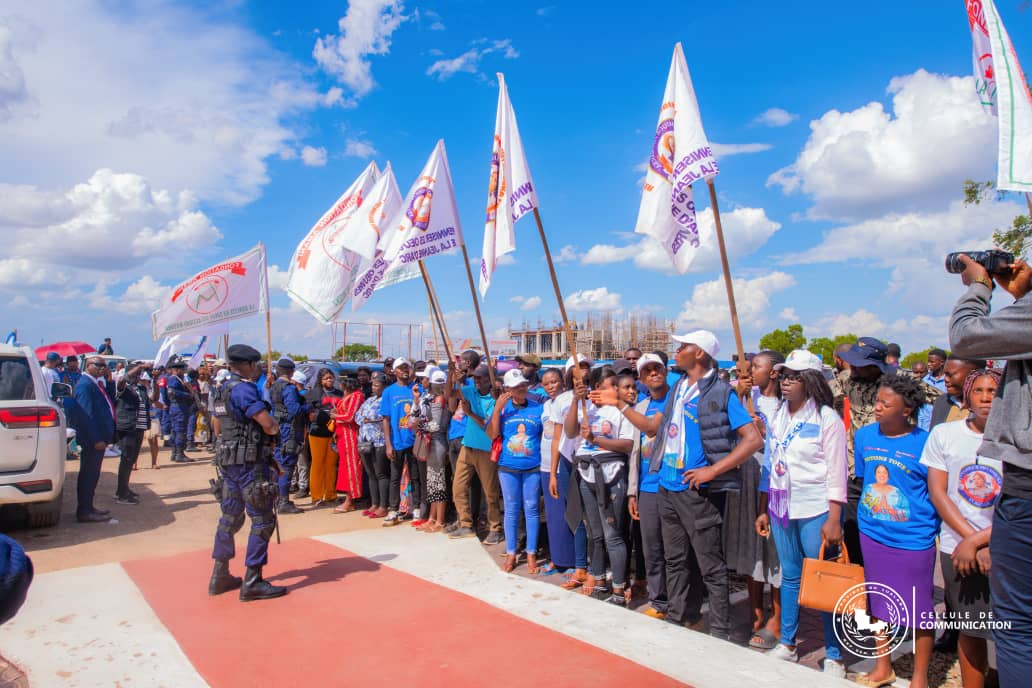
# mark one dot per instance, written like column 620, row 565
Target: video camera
column 994, row 261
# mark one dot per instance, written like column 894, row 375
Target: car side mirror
column 59, row 390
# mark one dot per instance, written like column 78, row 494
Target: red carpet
column 350, row 622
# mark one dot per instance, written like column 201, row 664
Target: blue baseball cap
column 867, row 351
column 53, row 356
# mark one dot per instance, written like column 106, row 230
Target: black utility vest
column 241, row 441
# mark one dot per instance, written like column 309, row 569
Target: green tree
column 915, row 356
column 784, row 340
column 298, row 358
column 356, row 352
column 825, row 346
column 1016, row 239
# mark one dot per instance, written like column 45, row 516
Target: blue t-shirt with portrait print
column 521, row 435
column 671, row 472
column 895, row 508
column 395, row 405
column 649, row 482
column 483, row 406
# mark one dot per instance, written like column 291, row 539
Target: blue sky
column 145, row 141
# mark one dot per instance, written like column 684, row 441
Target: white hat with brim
column 299, row 377
column 647, row 359
column 801, row 359
column 704, row 339
column 514, row 378
column 401, row 362
column 438, row 377
column 581, row 358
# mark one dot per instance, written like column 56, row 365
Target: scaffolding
column 389, row 339
column 599, row 335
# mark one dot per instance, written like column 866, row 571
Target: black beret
column 285, row 363
column 242, row 353
column 177, row 363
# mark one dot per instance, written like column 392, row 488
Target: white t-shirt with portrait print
column 973, row 482
column 607, row 422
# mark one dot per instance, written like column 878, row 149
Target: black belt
column 574, row 505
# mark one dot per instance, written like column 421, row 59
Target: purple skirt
column 911, row 573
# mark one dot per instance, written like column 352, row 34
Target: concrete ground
column 163, row 544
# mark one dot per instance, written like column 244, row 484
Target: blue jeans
column 580, row 537
column 517, row 487
column 799, row 539
column 1010, row 588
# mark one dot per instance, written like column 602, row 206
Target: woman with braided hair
column 965, row 488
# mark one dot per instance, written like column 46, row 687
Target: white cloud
column 599, row 299
column 203, row 106
column 313, row 157
column 862, row 323
column 365, row 29
column 517, row 299
column 469, row 61
column 867, row 162
column 430, row 18
column 112, row 221
column 745, row 231
column 357, row 148
column 566, row 254
column 789, row 315
column 13, row 92
column 278, row 278
column 775, row 117
column 531, row 303
column 17, row 273
column 724, row 150
column 707, row 308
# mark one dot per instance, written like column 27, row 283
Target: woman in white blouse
column 805, row 475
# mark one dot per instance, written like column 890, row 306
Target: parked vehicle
column 33, row 438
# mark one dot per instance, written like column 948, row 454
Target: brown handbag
column 825, row 581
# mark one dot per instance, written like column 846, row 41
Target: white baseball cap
column 514, row 378
column 801, row 359
column 581, row 358
column 222, row 375
column 649, row 358
column 299, row 377
column 438, row 377
column 704, row 339
column 398, row 362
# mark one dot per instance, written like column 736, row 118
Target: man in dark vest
column 243, row 456
column 704, row 436
column 132, row 420
column 287, row 406
column 180, row 408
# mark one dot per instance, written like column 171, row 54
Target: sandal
column 548, row 569
column 575, row 580
column 343, row 509
column 532, row 565
column 865, row 680
column 510, row 563
column 763, row 639
column 588, row 586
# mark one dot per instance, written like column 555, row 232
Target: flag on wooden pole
column 427, row 224
column 681, row 155
column 384, row 203
column 510, row 193
column 232, row 289
column 323, row 270
column 1013, row 101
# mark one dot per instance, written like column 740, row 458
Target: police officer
column 287, row 408
column 180, row 408
column 243, row 456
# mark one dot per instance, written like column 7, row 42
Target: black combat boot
column 257, row 588
column 285, row 506
column 221, row 580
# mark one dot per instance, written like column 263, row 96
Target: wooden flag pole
column 1028, row 201
column 436, row 306
column 476, row 309
column 268, row 343
column 571, row 343
column 727, row 281
column 433, row 323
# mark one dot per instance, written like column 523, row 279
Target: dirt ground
column 176, row 513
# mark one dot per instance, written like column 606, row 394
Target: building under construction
column 600, row 336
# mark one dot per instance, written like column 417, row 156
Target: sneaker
column 462, row 532
column 654, row 613
column 127, row 499
column 617, row 599
column 416, row 515
column 494, row 538
column 782, row 652
column 452, row 527
column 303, row 494
column 835, row 668
column 391, row 520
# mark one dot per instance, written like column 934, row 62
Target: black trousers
column 691, row 521
column 850, row 528
column 130, row 443
column 403, row 458
column 378, row 474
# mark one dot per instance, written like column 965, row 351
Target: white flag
column 510, row 193
column 322, row 271
column 384, row 203
column 982, row 56
column 1014, row 106
column 233, row 289
column 680, row 156
column 427, row 224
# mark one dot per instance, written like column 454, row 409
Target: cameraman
column 1006, row 334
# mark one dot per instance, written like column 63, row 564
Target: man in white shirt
column 50, row 372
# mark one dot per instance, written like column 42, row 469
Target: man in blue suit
column 94, row 423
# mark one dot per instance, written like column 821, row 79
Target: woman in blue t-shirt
column 517, row 420
column 898, row 522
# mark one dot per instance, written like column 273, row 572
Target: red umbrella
column 64, row 349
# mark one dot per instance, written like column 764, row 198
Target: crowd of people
column 652, row 478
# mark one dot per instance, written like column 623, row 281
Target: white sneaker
column 782, row 652
column 416, row 514
column 391, row 520
column 834, row 668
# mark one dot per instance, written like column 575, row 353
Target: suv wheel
column 45, row 514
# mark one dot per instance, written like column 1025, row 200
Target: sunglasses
column 790, row 377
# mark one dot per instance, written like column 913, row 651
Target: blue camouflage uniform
column 242, row 470
column 287, row 406
column 181, row 406
column 163, row 414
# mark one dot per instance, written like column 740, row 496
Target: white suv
column 33, row 440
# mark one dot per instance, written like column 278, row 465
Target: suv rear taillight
column 30, row 417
